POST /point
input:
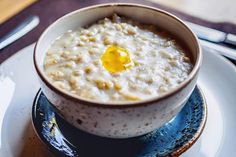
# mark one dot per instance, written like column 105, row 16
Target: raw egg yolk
column 116, row 59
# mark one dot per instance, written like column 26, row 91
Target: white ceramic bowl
column 118, row 120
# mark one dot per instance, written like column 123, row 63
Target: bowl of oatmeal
column 117, row 70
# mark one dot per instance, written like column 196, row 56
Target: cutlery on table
column 211, row 38
column 23, row 28
column 212, row 35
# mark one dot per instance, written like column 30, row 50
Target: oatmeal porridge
column 116, row 59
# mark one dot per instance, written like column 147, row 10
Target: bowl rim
column 120, row 104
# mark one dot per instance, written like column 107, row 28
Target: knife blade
column 26, row 26
column 212, row 35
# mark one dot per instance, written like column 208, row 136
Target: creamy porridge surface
column 152, row 62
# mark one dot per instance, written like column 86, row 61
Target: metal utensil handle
column 225, row 51
column 230, row 39
column 23, row 28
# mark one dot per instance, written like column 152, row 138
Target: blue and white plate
column 172, row 139
column 19, row 85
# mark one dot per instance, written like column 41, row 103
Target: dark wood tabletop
column 50, row 10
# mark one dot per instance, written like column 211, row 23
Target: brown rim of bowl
column 191, row 142
column 116, row 103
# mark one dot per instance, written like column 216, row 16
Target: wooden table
column 10, row 8
column 49, row 11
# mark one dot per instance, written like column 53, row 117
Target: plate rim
column 226, row 64
column 175, row 153
column 199, row 132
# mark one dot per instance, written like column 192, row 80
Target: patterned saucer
column 172, row 139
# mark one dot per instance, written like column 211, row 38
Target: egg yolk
column 116, row 59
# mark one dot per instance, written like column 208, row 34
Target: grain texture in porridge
column 144, row 61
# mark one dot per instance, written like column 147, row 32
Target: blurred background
column 217, row 14
column 212, row 10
